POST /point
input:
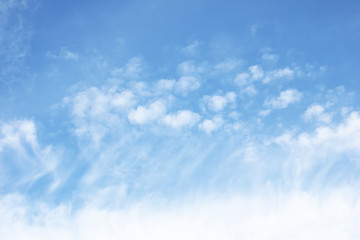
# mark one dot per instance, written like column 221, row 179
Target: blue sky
column 179, row 120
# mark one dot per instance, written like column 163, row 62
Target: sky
column 179, row 119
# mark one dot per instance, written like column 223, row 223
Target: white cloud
column 132, row 69
column 182, row 118
column 245, row 80
column 192, row 48
column 63, row 54
column 270, row 57
column 98, row 103
column 165, row 84
column 13, row 134
column 95, row 111
column 228, row 65
column 325, row 147
column 218, row 103
column 285, row 73
column 327, row 140
column 316, row 112
column 123, row 99
column 345, row 111
column 249, row 90
column 186, row 84
column 282, row 216
column 242, row 79
column 211, row 125
column 189, row 68
column 143, row 114
column 310, row 71
column 256, row 72
column 284, row 99
column 19, row 140
column 264, row 113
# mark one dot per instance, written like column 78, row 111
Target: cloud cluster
column 217, row 103
column 247, row 81
column 95, row 111
column 182, row 118
column 285, row 98
column 317, row 112
column 132, row 69
column 143, row 114
column 211, row 125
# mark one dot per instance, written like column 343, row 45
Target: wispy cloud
column 131, row 70
column 15, row 33
column 19, row 140
column 63, row 54
column 192, row 48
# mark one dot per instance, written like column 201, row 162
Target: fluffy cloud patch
column 218, row 103
column 192, row 48
column 285, row 98
column 186, row 84
column 95, row 111
column 189, row 68
column 121, row 100
column 270, row 57
column 249, row 90
column 325, row 147
column 146, row 114
column 246, row 80
column 131, row 70
column 211, row 125
column 242, row 79
column 182, row 118
column 316, row 112
column 165, row 84
column 228, row 65
column 256, row 72
column 97, row 103
column 327, row 140
column 284, row 73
